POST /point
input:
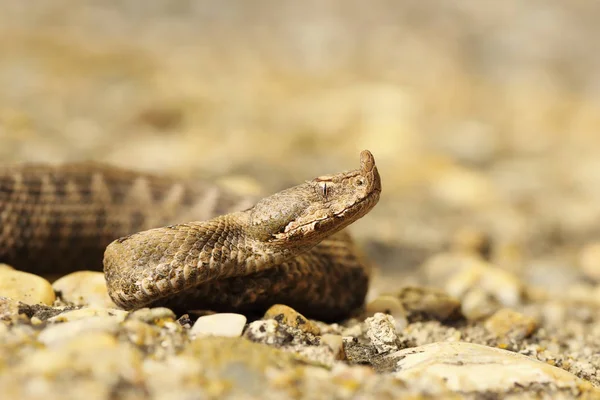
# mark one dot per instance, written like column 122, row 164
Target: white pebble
column 224, row 324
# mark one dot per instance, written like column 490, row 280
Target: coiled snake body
column 288, row 248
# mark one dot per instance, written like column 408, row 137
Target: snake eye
column 360, row 181
column 324, row 189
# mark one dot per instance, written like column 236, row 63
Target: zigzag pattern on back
column 66, row 215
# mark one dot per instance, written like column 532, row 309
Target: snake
column 239, row 253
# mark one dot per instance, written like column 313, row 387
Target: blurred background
column 483, row 117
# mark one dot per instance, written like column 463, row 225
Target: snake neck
column 161, row 262
column 197, row 251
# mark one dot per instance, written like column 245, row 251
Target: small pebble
column 84, row 288
column 290, row 317
column 25, row 287
column 140, row 333
column 389, row 305
column 158, row 315
column 224, row 324
column 335, row 343
column 268, row 332
column 381, row 330
column 509, row 324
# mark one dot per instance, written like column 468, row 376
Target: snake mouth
column 287, row 232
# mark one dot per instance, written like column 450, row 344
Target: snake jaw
column 293, row 229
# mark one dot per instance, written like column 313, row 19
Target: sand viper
column 288, row 248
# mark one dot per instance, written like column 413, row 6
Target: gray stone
column 381, row 330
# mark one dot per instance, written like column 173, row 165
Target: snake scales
column 288, row 248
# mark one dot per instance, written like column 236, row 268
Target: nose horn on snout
column 369, row 170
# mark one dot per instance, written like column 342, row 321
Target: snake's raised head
column 310, row 212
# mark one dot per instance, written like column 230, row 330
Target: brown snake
column 287, row 248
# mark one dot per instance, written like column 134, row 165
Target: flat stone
column 25, row 287
column 381, row 330
column 290, row 317
column 84, row 288
column 224, row 324
column 472, row 368
column 59, row 333
column 88, row 312
column 507, row 323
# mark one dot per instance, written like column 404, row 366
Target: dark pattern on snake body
column 287, row 248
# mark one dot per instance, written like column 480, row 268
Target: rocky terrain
column 484, row 122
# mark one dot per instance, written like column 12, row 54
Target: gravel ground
column 483, row 119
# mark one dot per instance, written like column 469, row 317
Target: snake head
column 309, row 212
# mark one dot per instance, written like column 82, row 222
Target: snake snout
column 369, row 170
